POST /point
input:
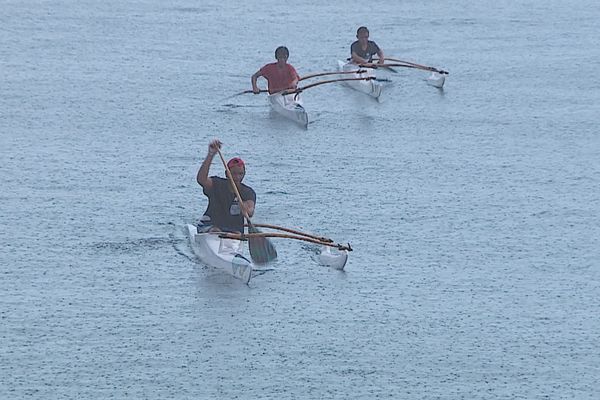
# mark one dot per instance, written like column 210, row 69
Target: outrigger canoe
column 221, row 253
column 370, row 87
column 289, row 106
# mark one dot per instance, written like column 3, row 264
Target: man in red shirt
column 280, row 75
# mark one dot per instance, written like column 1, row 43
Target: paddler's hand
column 247, row 208
column 214, row 146
column 243, row 210
column 255, row 90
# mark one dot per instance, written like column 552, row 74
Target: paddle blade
column 262, row 250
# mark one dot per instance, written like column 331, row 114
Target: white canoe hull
column 290, row 107
column 370, row 87
column 224, row 254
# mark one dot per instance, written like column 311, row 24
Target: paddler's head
column 238, row 169
column 362, row 34
column 282, row 54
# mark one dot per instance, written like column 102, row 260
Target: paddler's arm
column 358, row 59
column 381, row 56
column 364, row 62
column 255, row 88
column 202, row 177
column 294, row 83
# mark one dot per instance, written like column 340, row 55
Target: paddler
column 224, row 212
column 363, row 50
column 279, row 75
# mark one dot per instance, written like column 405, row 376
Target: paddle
column 262, row 250
column 246, row 92
column 298, row 90
column 360, row 71
column 241, row 93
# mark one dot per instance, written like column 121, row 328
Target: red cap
column 236, row 161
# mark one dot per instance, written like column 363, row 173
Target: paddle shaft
column 261, row 249
column 252, row 91
column 233, row 185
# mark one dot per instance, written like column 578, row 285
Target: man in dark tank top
column 363, row 50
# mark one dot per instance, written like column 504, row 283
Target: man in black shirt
column 364, row 49
column 224, row 212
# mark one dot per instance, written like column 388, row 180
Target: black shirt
column 367, row 54
column 223, row 207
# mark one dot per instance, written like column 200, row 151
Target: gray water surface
column 473, row 211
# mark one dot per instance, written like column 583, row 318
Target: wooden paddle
column 241, row 93
column 250, row 91
column 262, row 250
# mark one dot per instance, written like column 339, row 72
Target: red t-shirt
column 279, row 78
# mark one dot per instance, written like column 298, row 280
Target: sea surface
column 473, row 211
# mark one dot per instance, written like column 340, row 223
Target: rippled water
column 473, row 211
